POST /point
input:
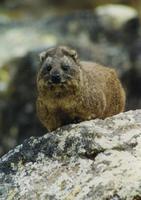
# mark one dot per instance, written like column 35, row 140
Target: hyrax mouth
column 59, row 87
column 54, row 84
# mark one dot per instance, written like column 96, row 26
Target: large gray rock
column 98, row 159
column 119, row 22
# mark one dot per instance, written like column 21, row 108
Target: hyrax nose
column 56, row 78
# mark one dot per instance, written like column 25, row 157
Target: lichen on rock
column 98, row 159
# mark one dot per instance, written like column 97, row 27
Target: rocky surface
column 98, row 159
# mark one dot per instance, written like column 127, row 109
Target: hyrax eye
column 48, row 67
column 65, row 67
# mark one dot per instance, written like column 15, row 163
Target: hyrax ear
column 42, row 56
column 71, row 52
column 74, row 54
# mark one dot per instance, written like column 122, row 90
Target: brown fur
column 93, row 91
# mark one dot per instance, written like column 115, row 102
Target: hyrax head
column 59, row 66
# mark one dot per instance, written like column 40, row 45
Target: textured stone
column 98, row 159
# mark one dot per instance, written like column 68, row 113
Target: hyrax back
column 71, row 91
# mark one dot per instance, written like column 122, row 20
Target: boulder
column 97, row 159
column 119, row 23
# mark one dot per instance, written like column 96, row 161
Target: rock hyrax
column 72, row 91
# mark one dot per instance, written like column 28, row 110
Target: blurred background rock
column 103, row 31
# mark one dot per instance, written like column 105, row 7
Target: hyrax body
column 71, row 91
